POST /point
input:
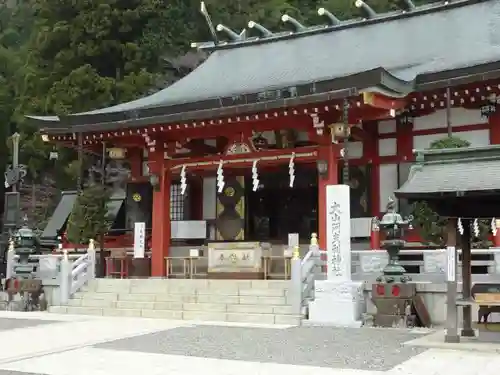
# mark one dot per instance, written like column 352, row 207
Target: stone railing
column 74, row 275
column 67, row 273
column 424, row 266
column 303, row 274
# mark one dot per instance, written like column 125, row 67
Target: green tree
column 89, row 219
column 89, row 54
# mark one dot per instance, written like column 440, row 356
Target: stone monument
column 338, row 300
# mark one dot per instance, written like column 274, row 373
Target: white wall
column 209, row 198
column 459, row 117
column 388, row 183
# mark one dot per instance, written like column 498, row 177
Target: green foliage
column 89, row 218
column 431, row 226
column 449, row 142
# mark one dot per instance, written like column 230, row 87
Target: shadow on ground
column 8, row 324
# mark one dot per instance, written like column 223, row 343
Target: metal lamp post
column 394, row 226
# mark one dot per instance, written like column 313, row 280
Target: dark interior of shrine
column 271, row 212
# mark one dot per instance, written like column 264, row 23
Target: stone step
column 186, row 296
column 180, row 315
column 202, row 298
column 271, row 288
column 183, row 306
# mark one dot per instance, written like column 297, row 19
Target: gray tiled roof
column 449, row 171
column 427, row 42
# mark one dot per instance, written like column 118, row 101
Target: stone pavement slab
column 91, row 361
column 436, row 340
column 56, row 337
column 440, row 362
column 78, row 346
column 349, row 348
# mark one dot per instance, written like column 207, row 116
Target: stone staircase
column 250, row 301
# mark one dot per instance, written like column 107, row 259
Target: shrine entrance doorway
column 276, row 209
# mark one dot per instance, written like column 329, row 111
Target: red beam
column 267, row 157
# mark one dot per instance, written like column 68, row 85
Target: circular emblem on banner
column 136, row 197
column 229, row 191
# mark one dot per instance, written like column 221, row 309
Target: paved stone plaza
column 39, row 343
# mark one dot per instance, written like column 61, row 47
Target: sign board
column 293, row 240
column 139, row 240
column 451, row 262
column 234, row 257
column 373, row 261
column 338, row 233
column 435, row 261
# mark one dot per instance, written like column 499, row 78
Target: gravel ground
column 7, row 324
column 364, row 349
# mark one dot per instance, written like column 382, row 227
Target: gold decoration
column 117, row 153
column 314, row 239
column 136, row 197
column 229, row 192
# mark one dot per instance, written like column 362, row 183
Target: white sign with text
column 139, row 240
column 338, row 233
column 451, row 260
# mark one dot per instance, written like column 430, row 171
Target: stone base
column 337, row 303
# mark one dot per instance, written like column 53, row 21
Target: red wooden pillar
column 494, row 122
column 134, row 156
column 160, row 237
column 371, row 154
column 328, row 153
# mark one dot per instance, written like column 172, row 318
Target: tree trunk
column 33, row 205
column 102, row 257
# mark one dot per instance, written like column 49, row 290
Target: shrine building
column 243, row 147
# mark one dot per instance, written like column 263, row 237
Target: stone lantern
column 25, row 244
column 393, row 227
column 392, row 294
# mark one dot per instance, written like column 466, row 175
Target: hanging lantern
column 339, row 131
column 490, row 107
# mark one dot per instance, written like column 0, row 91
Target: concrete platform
column 436, row 341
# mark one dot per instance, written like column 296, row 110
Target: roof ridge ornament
column 334, row 21
column 254, row 25
column 208, row 19
column 234, row 36
column 368, row 11
column 298, row 26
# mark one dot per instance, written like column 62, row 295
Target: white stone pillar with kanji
column 338, row 300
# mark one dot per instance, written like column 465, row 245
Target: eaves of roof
column 453, row 172
column 433, row 46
